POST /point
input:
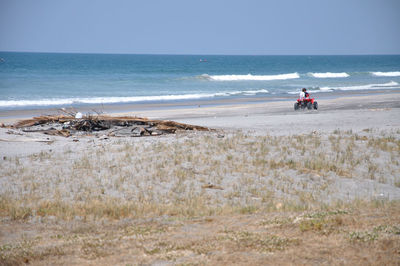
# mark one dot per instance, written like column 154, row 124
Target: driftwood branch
column 116, row 126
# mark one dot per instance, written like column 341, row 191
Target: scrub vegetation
column 205, row 198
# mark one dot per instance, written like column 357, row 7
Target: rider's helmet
column 304, row 89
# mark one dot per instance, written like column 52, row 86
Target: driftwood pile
column 66, row 125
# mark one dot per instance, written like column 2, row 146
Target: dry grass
column 278, row 198
column 133, row 179
column 362, row 233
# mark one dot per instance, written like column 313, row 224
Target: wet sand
column 232, row 110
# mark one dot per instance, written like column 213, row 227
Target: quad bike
column 310, row 103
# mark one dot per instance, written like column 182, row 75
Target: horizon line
column 216, row 54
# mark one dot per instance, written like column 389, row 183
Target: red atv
column 310, row 103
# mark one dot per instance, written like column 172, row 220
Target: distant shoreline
column 160, row 108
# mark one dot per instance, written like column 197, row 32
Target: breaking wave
column 250, row 77
column 115, row 100
column 389, row 85
column 295, row 75
column 386, row 74
column 314, row 90
column 329, row 75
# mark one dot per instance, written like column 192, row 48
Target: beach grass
column 202, row 197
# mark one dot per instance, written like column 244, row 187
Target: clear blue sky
column 202, row 26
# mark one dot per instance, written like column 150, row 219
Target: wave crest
column 115, row 100
column 388, row 85
column 369, row 86
column 386, row 74
column 329, row 75
column 314, row 90
column 250, row 77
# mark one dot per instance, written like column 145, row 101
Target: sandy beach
column 188, row 133
column 266, row 184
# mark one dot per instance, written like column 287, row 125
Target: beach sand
column 268, row 185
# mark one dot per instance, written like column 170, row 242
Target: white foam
column 99, row 100
column 254, row 92
column 388, row 85
column 329, row 75
column 250, row 77
column 324, row 89
column 386, row 74
column 111, row 100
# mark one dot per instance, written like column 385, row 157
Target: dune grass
column 293, row 191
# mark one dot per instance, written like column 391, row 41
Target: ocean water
column 36, row 80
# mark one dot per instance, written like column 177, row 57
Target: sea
column 44, row 80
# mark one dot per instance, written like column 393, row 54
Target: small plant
column 394, row 230
column 324, row 222
column 363, row 236
column 263, row 243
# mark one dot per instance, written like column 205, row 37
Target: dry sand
column 268, row 182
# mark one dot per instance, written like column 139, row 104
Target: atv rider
column 304, row 95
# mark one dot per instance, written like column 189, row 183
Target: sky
column 249, row 27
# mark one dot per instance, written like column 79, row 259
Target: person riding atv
column 305, row 101
column 304, row 94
